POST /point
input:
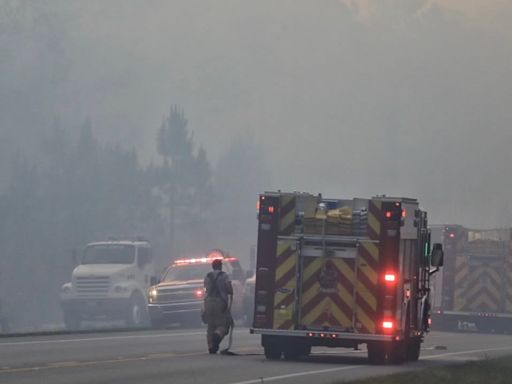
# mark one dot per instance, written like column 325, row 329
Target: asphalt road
column 179, row 357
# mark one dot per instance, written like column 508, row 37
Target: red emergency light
column 191, row 261
column 199, row 293
column 452, row 235
column 390, row 277
column 204, row 260
column 388, row 325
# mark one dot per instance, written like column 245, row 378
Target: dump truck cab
column 342, row 272
column 110, row 283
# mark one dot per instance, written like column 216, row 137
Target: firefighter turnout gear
column 217, row 303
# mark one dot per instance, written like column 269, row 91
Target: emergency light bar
column 203, row 260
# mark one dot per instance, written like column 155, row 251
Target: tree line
column 81, row 190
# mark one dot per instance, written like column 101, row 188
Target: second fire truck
column 343, row 272
column 475, row 287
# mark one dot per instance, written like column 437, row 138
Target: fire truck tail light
column 390, row 277
column 387, row 325
column 271, row 209
column 388, row 215
column 452, row 235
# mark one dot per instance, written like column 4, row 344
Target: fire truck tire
column 398, row 353
column 72, row 320
column 272, row 352
column 376, row 354
column 296, row 351
column 486, row 326
column 413, row 350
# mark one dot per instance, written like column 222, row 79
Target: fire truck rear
column 475, row 287
column 340, row 273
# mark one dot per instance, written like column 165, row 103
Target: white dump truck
column 110, row 283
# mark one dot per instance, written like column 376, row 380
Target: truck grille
column 92, row 286
column 175, row 296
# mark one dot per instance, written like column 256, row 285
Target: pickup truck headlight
column 65, row 289
column 153, row 293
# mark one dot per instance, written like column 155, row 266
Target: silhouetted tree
column 184, row 177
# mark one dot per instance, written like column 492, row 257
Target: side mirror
column 249, row 274
column 154, row 280
column 437, row 256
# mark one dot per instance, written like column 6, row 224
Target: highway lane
column 180, row 357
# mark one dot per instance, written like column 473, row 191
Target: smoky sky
column 414, row 100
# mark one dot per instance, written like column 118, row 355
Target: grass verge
column 495, row 371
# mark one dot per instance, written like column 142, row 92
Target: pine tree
column 184, row 176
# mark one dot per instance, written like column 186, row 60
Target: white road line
column 298, row 374
column 126, row 337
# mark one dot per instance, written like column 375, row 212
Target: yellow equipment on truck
column 343, row 272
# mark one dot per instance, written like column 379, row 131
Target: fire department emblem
column 328, row 277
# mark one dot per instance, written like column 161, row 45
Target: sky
column 347, row 98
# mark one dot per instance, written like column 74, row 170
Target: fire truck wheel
column 272, row 352
column 296, row 351
column 413, row 350
column 376, row 354
column 398, row 353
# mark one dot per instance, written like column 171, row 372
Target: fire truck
column 475, row 286
column 342, row 272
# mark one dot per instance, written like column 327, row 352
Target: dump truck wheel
column 136, row 315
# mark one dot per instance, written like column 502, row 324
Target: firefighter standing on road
column 217, row 305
